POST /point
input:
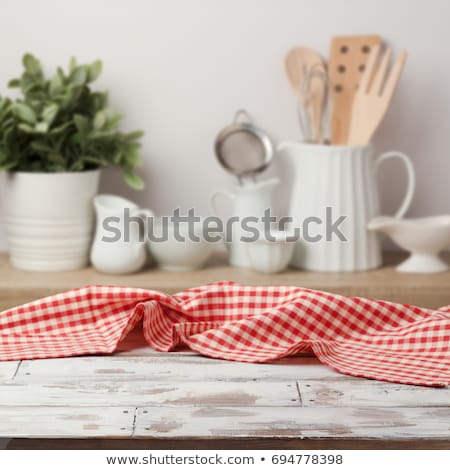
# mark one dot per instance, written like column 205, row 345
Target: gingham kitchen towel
column 355, row 336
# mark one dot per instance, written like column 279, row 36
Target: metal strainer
column 242, row 148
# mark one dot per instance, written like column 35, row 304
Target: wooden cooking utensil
column 374, row 95
column 348, row 58
column 306, row 72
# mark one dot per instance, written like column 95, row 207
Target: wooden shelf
column 431, row 291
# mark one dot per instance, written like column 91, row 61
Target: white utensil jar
column 334, row 197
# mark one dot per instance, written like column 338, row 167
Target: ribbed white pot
column 49, row 219
column 341, row 180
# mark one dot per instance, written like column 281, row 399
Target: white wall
column 180, row 68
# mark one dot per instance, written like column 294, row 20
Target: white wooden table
column 144, row 399
column 139, row 398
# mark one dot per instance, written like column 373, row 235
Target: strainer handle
column 242, row 115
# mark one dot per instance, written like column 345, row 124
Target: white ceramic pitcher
column 127, row 253
column 343, row 179
column 249, row 200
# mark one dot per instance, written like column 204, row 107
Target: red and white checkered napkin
column 355, row 336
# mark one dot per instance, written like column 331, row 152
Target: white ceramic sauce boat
column 424, row 238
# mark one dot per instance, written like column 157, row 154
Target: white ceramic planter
column 49, row 219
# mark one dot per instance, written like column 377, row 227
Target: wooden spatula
column 306, row 72
column 348, row 59
column 374, row 95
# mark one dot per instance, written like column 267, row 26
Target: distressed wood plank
column 304, row 423
column 48, row 422
column 349, row 391
column 7, row 370
column 18, row 287
column 165, row 366
column 136, row 393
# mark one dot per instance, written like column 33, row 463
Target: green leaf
column 117, row 157
column 61, row 128
column 40, row 147
column 37, row 165
column 133, row 180
column 3, row 156
column 26, row 128
column 5, row 106
column 67, row 98
column 99, row 100
column 56, row 158
column 132, row 157
column 50, row 113
column 81, row 123
column 24, row 112
column 77, row 138
column 94, row 70
column 96, row 161
column 56, row 168
column 79, row 76
column 14, row 83
column 30, row 84
column 41, row 127
column 77, row 166
column 31, row 65
column 7, row 124
column 9, row 138
column 8, row 166
column 56, row 85
column 103, row 135
column 114, row 120
column 134, row 135
column 72, row 64
column 100, row 120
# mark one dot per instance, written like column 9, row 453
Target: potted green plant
column 54, row 139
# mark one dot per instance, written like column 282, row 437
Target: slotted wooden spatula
column 348, row 59
column 374, row 95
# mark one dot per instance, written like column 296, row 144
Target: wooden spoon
column 306, row 72
column 348, row 59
